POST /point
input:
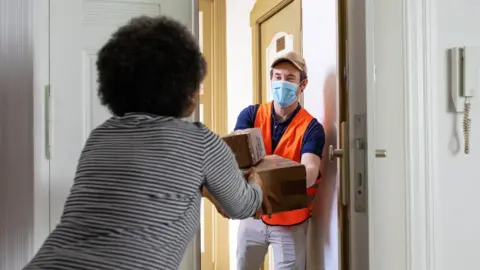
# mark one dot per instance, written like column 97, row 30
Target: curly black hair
column 151, row 65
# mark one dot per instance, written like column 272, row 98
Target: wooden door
column 276, row 29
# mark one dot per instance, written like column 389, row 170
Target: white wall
column 456, row 215
column 427, row 217
column 239, row 78
column 239, row 58
column 320, row 53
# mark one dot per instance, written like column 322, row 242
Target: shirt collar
column 288, row 119
column 139, row 115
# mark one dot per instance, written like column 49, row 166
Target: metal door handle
column 334, row 153
column 342, row 153
column 380, row 153
column 47, row 112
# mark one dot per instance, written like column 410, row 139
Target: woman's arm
column 209, row 196
column 225, row 182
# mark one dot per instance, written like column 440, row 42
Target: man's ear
column 305, row 82
column 303, row 85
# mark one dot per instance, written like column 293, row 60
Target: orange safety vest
column 289, row 147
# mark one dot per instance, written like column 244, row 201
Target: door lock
column 338, row 153
column 359, row 184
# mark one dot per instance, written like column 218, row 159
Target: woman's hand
column 266, row 207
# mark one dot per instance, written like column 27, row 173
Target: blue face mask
column 284, row 93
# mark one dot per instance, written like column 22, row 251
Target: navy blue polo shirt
column 313, row 139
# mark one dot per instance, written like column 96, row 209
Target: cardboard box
column 287, row 180
column 247, row 145
column 292, row 202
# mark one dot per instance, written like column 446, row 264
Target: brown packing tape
column 285, row 186
column 292, row 202
column 293, row 187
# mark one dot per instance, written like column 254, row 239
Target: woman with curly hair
column 135, row 201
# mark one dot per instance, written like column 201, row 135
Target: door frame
column 220, row 120
column 262, row 11
column 343, row 107
column 360, row 68
column 218, row 114
column 41, row 78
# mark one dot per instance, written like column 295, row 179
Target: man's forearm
column 312, row 174
column 312, row 167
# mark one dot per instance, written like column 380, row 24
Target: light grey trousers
column 289, row 244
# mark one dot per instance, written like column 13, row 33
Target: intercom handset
column 465, row 81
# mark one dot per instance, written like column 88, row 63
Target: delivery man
column 291, row 132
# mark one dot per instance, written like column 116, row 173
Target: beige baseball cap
column 294, row 58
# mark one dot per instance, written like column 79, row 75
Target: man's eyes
column 289, row 79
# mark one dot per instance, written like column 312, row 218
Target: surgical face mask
column 284, row 93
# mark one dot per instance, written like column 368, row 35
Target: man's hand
column 266, row 209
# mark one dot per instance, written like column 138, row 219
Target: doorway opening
column 318, row 31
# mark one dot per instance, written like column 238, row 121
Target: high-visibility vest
column 289, row 147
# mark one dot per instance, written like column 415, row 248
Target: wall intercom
column 465, row 81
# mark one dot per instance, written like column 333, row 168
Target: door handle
column 342, row 153
column 334, row 153
column 380, row 153
column 47, row 112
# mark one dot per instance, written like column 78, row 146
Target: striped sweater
column 135, row 201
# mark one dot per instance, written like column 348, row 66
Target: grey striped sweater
column 135, row 202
